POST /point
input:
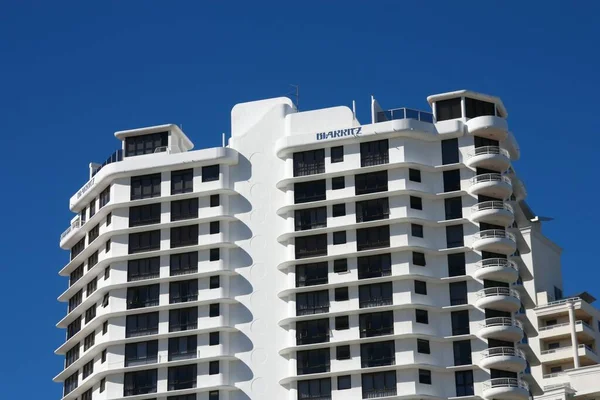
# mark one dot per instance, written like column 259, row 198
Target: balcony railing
column 372, row 332
column 180, row 385
column 132, row 362
column 373, row 217
column 313, row 339
column 184, row 299
column 310, row 310
column 183, row 327
column 309, row 169
column 496, row 263
column 114, row 157
column 139, row 390
column 498, row 291
column 375, row 393
column 501, row 321
column 316, row 252
column 74, row 225
column 375, row 302
column 375, row 244
column 581, row 346
column 492, row 205
column 183, row 356
column 494, row 177
column 312, row 369
column 502, row 351
column 553, row 375
column 142, row 304
column 305, row 281
column 404, row 113
column 560, row 302
column 494, row 234
column 484, row 150
column 142, row 332
column 374, row 159
column 505, row 382
column 378, row 362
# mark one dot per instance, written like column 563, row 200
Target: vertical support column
column 463, row 108
column 574, row 343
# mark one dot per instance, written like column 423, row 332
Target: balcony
column 498, row 298
column 404, row 113
column 505, row 358
column 373, row 332
column 506, row 388
column 501, row 328
column 376, row 302
column 378, row 362
column 497, row 269
column 114, row 157
column 490, row 157
column 75, row 225
column 488, row 126
column 310, row 310
column 322, row 337
column 587, row 356
column 495, row 241
column 376, row 393
column 312, row 369
column 493, row 212
column 492, row 185
column 584, row 331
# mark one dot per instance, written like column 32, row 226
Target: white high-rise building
column 315, row 257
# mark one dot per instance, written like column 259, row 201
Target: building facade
column 315, row 257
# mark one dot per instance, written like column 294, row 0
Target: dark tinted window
column 458, row 293
column 341, row 294
column 422, row 316
column 372, row 210
column 210, row 173
column 314, row 389
column 425, row 376
column 144, row 215
column 450, row 151
column 145, row 186
column 337, row 154
column 344, row 382
column 375, row 295
column 182, row 181
column 310, row 218
column 371, row 183
column 340, row 265
column 142, row 296
column 447, row 109
column 183, row 347
column 414, row 175
column 310, row 332
column 139, row 382
column 144, row 241
column 451, row 180
column 141, row 353
column 372, row 238
column 305, row 192
column 460, row 322
column 420, row 287
column 145, row 144
column 377, row 354
column 418, row 258
column 416, row 203
column 184, row 263
column 309, row 162
column 376, row 324
column 145, row 268
column 141, row 324
column 342, row 323
column 477, row 108
column 312, row 302
column 338, row 182
column 182, row 377
column 462, row 352
column 374, row 153
column 456, row 264
column 379, row 384
column 311, row 274
column 453, row 207
column 423, row 346
column 184, row 236
column 339, row 237
column 312, row 361
column 184, row 209
column 416, row 230
column 183, row 291
column 311, row 246
column 183, row 319
column 374, row 266
column 338, row 210
column 455, row 236
column 214, row 200
column 464, row 383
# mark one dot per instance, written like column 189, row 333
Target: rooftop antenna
column 295, row 92
column 354, row 109
column 223, row 139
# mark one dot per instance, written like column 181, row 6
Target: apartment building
column 315, row 257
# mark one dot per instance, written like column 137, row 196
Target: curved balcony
column 490, row 157
column 506, row 388
column 493, row 212
column 488, row 126
column 498, row 298
column 501, row 328
column 505, row 358
column 495, row 241
column 492, row 185
column 497, row 269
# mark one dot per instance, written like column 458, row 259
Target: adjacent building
column 315, row 257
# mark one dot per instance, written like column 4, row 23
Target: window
column 103, row 356
column 214, row 310
column 144, row 241
column 309, row 162
column 141, row 324
column 344, row 382
column 422, row 316
column 108, row 219
column 423, row 346
column 414, row 175
column 71, row 383
column 92, row 208
column 92, row 260
column 312, row 361
column 554, row 370
column 338, row 210
column 102, row 385
column 145, row 186
column 87, row 395
column 453, row 206
column 379, row 384
column 213, row 368
column 183, row 181
column 377, row 354
column 372, row 210
column 373, row 238
column 311, row 246
column 342, row 323
column 213, row 339
column 458, row 293
column 184, row 236
column 342, row 352
column 339, row 237
column 460, row 322
column 425, row 376
column 107, row 272
column 77, row 248
column 338, row 183
column 310, row 218
column 141, row 353
column 88, row 369
column 145, row 144
column 183, row 377
column 143, row 268
column 183, row 319
column 316, row 302
column 462, row 352
column 183, row 291
column 83, row 215
column 75, row 300
column 454, row 236
column 374, row 153
column 464, row 383
column 311, row 332
column 183, row 347
column 105, row 300
column 450, row 151
column 214, row 282
column 93, row 234
column 184, row 263
column 214, row 200
column 337, row 154
column 142, row 296
column 305, row 192
column 340, row 265
column 104, row 197
column 140, row 382
column 72, row 355
column 554, row 345
column 213, row 395
column 90, row 314
column 452, row 180
column 144, row 215
column 374, row 266
column 416, row 203
column 477, row 108
column 373, row 182
column 311, row 274
column 456, row 264
column 107, row 246
column 376, row 324
column 418, row 258
column 210, row 173
column 314, row 389
column 75, row 275
column 105, row 327
column 214, row 227
column 420, row 287
column 416, row 230
column 375, row 295
column 448, row 109
column 215, row 255
column 341, row 294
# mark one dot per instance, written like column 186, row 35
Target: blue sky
column 72, row 73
